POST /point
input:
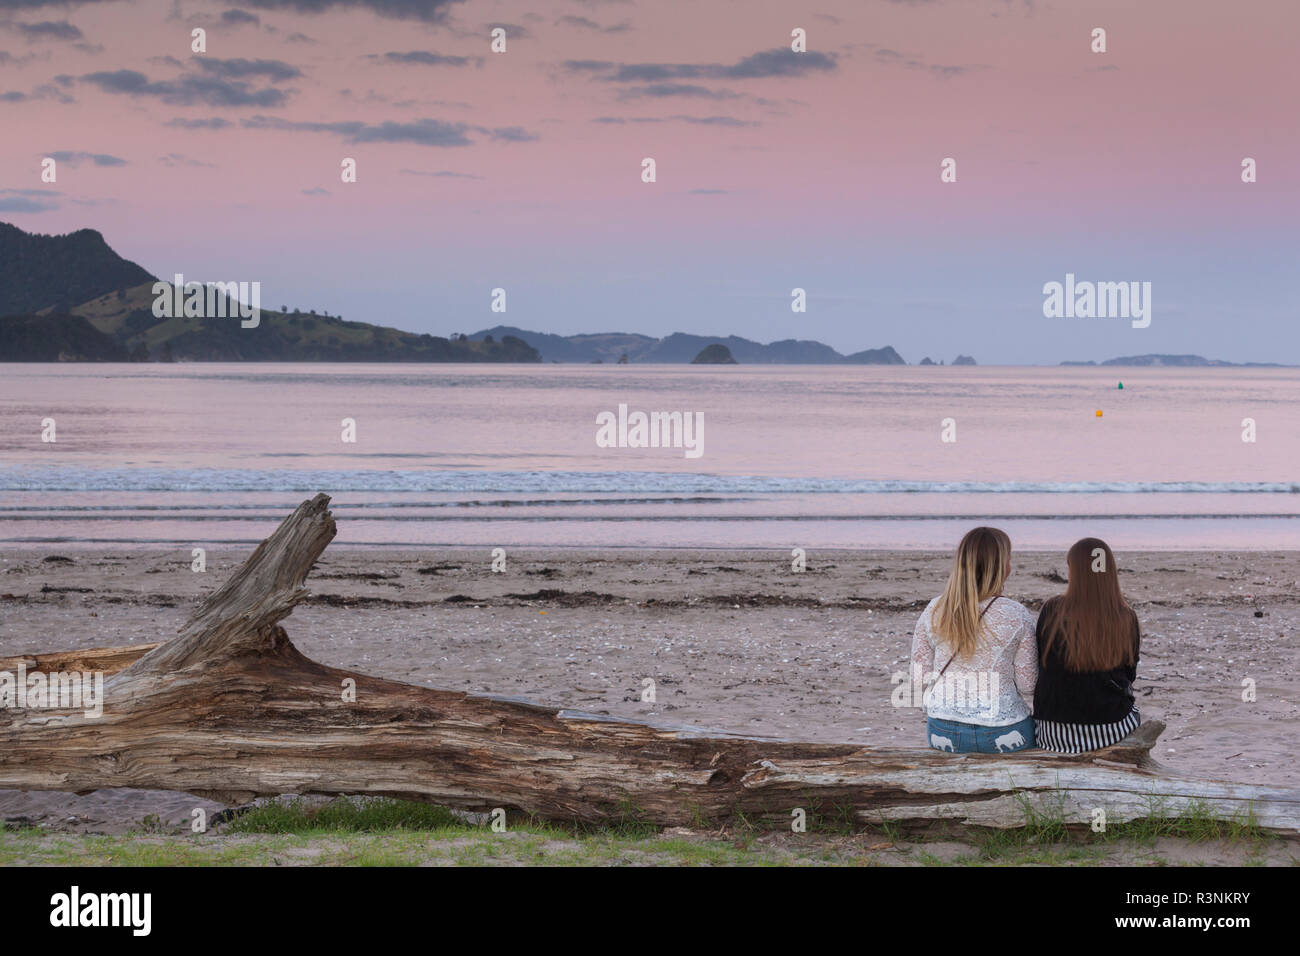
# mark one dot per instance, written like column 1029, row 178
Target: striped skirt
column 1077, row 738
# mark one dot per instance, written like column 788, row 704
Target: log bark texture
column 229, row 709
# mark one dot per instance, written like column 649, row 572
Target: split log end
column 242, row 616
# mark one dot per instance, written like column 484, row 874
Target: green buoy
column 1121, row 384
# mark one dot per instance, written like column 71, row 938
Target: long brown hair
column 979, row 570
column 1093, row 622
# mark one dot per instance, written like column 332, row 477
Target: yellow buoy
column 1099, row 413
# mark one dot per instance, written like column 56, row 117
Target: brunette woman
column 1088, row 645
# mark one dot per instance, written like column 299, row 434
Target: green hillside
column 127, row 316
column 72, row 298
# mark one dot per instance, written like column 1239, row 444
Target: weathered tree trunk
column 230, row 709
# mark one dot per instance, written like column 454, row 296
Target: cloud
column 180, row 159
column 780, row 62
column 677, row 118
column 45, row 91
column 47, row 30
column 236, row 18
column 48, row 91
column 6, row 57
column 711, row 120
column 28, row 200
column 422, row 132
column 659, row 90
column 662, row 80
column 426, row 132
column 237, row 69
column 585, row 23
column 76, row 158
column 591, row 66
column 316, row 191
column 430, row 11
column 187, row 89
column 212, row 122
column 441, row 173
column 425, row 58
column 766, row 63
column 514, row 31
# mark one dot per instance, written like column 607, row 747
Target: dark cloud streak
column 780, row 62
column 47, row 30
column 240, row 17
column 429, row 11
column 421, row 132
column 186, row 90
column 275, row 70
column 426, row 58
column 76, row 158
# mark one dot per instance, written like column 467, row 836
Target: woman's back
column 991, row 686
column 1088, row 645
column 1085, row 696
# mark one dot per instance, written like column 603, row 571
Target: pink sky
column 825, row 175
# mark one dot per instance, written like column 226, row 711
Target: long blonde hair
column 979, row 571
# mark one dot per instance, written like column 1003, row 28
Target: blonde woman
column 976, row 652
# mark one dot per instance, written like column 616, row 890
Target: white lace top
column 990, row 689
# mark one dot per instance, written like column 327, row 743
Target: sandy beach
column 733, row 640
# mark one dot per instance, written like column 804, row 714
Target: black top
column 1082, row 697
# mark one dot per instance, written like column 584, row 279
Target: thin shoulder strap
column 981, row 617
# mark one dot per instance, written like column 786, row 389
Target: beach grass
column 384, row 832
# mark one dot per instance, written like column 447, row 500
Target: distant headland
column 71, row 298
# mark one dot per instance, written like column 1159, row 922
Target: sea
column 555, row 456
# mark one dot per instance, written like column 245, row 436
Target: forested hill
column 59, row 272
column 73, row 299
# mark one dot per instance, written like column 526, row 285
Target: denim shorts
column 956, row 737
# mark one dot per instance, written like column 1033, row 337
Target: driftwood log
column 229, row 709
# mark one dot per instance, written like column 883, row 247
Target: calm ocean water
column 792, row 456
